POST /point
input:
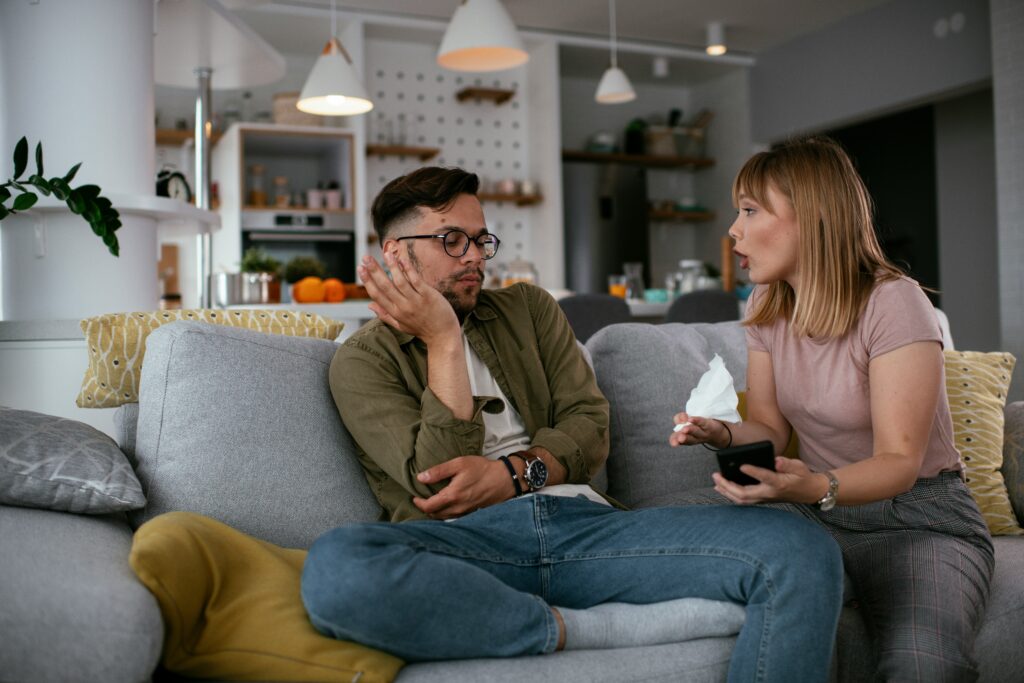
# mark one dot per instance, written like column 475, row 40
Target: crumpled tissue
column 714, row 396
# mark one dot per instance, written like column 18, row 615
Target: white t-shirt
column 505, row 432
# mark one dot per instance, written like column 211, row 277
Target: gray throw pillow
column 59, row 464
column 647, row 372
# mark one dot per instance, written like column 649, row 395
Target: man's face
column 458, row 279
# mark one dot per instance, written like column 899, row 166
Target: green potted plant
column 260, row 276
column 84, row 200
column 303, row 266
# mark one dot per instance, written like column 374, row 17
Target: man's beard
column 462, row 306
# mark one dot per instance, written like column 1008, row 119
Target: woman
column 846, row 350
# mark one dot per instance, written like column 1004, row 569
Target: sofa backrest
column 647, row 373
column 241, row 426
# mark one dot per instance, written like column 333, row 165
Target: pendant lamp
column 481, row 37
column 716, row 39
column 614, row 87
column 333, row 88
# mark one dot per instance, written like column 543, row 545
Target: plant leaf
column 25, row 201
column 4, row 194
column 20, row 156
column 4, row 212
column 39, row 157
column 71, row 174
column 75, row 202
column 40, row 182
column 88, row 192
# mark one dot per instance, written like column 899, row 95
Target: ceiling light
column 333, row 88
column 481, row 37
column 716, row 39
column 614, row 87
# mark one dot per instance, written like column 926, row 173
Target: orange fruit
column 334, row 290
column 308, row 290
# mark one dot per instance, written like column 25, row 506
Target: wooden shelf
column 292, row 209
column 519, row 199
column 423, row 153
column 681, row 216
column 636, row 159
column 498, row 95
column 175, row 137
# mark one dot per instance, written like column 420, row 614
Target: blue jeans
column 482, row 586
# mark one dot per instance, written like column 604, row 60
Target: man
column 479, row 424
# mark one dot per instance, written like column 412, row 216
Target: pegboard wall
column 415, row 104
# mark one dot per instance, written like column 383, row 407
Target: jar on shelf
column 518, row 271
column 257, row 188
column 282, row 195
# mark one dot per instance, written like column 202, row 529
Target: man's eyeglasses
column 456, row 242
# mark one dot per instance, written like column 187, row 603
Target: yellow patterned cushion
column 232, row 608
column 976, row 384
column 117, row 342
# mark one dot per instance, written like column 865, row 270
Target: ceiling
column 752, row 26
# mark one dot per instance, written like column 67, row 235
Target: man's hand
column 476, row 482
column 407, row 303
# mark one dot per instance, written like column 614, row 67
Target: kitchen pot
column 232, row 289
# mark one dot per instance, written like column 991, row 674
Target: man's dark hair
column 433, row 187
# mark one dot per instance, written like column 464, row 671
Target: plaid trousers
column 921, row 565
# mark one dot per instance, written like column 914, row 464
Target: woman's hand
column 791, row 482
column 698, row 430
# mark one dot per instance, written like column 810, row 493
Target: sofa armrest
column 72, row 608
column 1013, row 456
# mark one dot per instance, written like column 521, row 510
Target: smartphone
column 759, row 454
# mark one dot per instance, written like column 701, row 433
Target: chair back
column 587, row 313
column 704, row 306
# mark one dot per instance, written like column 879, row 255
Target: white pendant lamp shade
column 333, row 89
column 614, row 87
column 481, row 37
column 716, row 39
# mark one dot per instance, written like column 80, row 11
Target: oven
column 327, row 236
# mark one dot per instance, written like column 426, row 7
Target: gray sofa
column 241, row 426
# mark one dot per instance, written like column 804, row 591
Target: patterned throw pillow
column 117, row 342
column 59, row 464
column 976, row 384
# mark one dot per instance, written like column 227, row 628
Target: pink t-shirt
column 822, row 386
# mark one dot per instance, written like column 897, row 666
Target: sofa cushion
column 647, row 372
column 241, row 426
column 70, row 607
column 233, row 611
column 1013, row 456
column 59, row 464
column 116, row 344
column 977, row 384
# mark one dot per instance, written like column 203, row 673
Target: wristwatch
column 828, row 501
column 536, row 474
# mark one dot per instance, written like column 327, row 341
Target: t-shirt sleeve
column 898, row 313
column 756, row 333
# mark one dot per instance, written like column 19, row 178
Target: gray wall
column 882, row 60
column 967, row 229
column 1008, row 102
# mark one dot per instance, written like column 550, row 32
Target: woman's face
column 767, row 243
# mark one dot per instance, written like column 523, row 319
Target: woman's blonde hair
column 840, row 258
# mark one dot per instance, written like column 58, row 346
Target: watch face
column 536, row 474
column 827, row 504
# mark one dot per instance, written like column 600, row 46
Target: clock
column 171, row 183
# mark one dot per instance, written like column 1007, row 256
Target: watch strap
column 833, row 488
column 512, row 471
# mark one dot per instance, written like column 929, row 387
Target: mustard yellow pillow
column 116, row 343
column 976, row 385
column 232, row 609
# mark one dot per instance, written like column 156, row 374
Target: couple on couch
column 501, row 555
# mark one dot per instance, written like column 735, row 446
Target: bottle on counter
column 257, row 189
